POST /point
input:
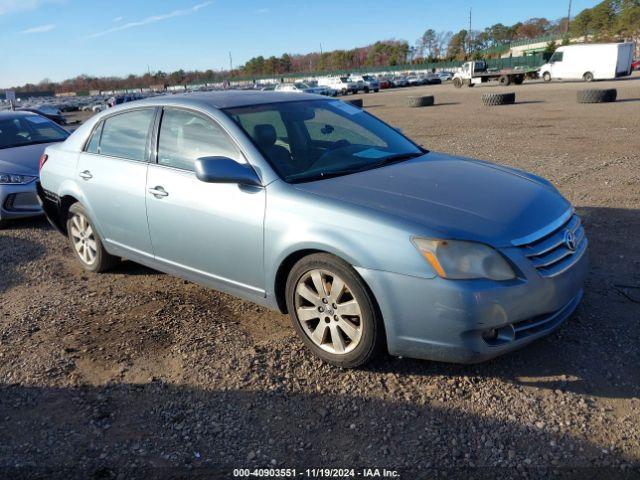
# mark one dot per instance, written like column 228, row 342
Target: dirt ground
column 136, row 374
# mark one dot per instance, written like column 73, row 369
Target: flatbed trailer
column 474, row 73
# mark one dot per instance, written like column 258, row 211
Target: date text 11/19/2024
column 315, row 473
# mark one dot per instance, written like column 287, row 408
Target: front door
column 206, row 231
column 112, row 175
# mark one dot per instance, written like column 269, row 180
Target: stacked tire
column 597, row 96
column 496, row 99
column 417, row 102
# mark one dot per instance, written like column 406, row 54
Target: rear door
column 211, row 232
column 112, row 172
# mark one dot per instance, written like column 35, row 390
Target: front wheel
column 333, row 311
column 588, row 77
column 546, row 77
column 86, row 243
column 457, row 82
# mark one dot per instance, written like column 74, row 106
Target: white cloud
column 153, row 19
column 39, row 29
column 261, row 11
column 12, row 6
column 118, row 19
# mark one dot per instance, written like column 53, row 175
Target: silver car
column 23, row 138
column 316, row 208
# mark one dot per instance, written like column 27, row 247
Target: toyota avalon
column 317, row 208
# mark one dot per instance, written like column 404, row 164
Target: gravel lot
column 136, row 374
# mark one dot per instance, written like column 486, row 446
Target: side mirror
column 225, row 170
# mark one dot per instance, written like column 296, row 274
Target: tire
column 495, row 99
column 546, row 77
column 588, row 77
column 365, row 337
column 457, row 82
column 416, row 102
column 376, row 90
column 366, row 90
column 4, row 224
column 597, row 96
column 82, row 235
column 518, row 79
column 359, row 103
column 505, row 80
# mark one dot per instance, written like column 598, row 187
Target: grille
column 549, row 252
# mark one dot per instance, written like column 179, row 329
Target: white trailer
column 588, row 62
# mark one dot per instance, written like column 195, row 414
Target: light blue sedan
column 316, row 208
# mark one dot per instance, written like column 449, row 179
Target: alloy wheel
column 83, row 238
column 328, row 312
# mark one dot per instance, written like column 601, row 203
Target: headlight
column 8, row 179
column 457, row 260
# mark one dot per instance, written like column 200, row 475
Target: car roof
column 16, row 113
column 227, row 99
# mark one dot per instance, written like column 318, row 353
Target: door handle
column 158, row 192
column 86, row 175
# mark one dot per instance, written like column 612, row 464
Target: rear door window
column 125, row 135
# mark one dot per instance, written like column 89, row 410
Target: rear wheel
column 333, row 311
column 86, row 243
column 546, row 77
column 518, row 80
column 505, row 80
column 588, row 77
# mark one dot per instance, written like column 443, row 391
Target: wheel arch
column 287, row 263
column 65, row 204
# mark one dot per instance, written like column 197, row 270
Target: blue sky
column 58, row 39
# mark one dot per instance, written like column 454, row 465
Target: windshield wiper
column 27, row 144
column 325, row 175
column 400, row 157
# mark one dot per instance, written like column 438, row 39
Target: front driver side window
column 186, row 136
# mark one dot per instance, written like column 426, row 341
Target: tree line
column 610, row 20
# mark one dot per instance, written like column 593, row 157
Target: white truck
column 589, row 62
column 342, row 85
column 478, row 72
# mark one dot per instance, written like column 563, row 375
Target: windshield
column 306, row 141
column 29, row 130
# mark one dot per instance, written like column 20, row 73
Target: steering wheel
column 329, row 151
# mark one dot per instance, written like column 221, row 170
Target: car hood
column 22, row 160
column 454, row 197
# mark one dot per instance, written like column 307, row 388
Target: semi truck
column 476, row 72
column 589, row 62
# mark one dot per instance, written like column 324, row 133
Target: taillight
column 43, row 159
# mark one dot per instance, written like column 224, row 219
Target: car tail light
column 43, row 159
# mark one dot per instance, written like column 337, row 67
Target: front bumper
column 444, row 320
column 19, row 201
